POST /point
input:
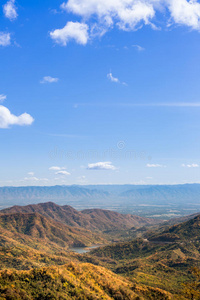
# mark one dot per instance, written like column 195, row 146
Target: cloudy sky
column 95, row 91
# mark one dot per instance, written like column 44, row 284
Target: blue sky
column 94, row 92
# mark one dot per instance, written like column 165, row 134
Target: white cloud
column 128, row 15
column 10, row 10
column 101, row 166
column 115, row 79
column 62, row 173
column 72, row 31
column 138, row 48
column 49, row 79
column 112, row 78
column 59, row 170
column 155, row 166
column 2, row 97
column 31, row 173
column 190, row 166
column 7, row 118
column 185, row 12
column 55, row 168
column 34, row 179
column 4, row 39
column 31, row 179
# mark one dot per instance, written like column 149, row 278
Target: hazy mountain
column 47, row 193
column 113, row 197
column 164, row 193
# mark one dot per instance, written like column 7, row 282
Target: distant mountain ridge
column 101, row 196
column 165, row 193
column 48, row 192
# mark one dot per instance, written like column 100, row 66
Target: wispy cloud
column 155, row 166
column 133, row 105
column 5, row 39
column 163, row 104
column 55, row 168
column 112, row 78
column 175, row 104
column 101, row 166
column 65, row 173
column 10, row 10
column 49, row 79
column 31, row 173
column 2, row 97
column 31, row 178
column 138, row 48
column 190, row 166
column 65, row 135
column 7, row 118
column 34, row 179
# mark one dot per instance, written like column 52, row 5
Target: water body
column 82, row 250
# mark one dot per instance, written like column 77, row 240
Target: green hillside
column 163, row 260
column 73, row 281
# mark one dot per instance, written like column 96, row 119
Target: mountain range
column 101, row 194
column 37, row 263
column 91, row 219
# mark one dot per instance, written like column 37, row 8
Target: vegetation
column 95, row 220
column 36, row 262
column 192, row 289
column 161, row 260
column 40, row 232
column 72, row 281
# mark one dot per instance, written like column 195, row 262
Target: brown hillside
column 39, row 227
column 109, row 220
column 91, row 219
